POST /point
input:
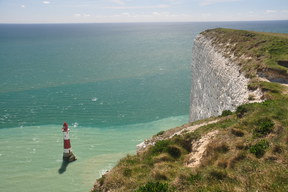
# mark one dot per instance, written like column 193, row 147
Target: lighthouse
column 68, row 156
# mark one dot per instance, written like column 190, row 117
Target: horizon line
column 24, row 23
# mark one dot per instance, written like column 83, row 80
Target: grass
column 154, row 187
column 250, row 152
column 226, row 113
column 264, row 126
column 259, row 148
column 236, row 161
column 256, row 52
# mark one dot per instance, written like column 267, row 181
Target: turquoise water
column 115, row 85
column 31, row 156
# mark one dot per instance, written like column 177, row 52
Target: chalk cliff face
column 217, row 83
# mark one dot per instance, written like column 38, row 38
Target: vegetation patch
column 194, row 177
column 241, row 110
column 162, row 157
column 154, row 187
column 160, row 146
column 278, row 149
column 237, row 158
column 259, row 148
column 127, row 172
column 160, row 133
column 218, row 174
column 222, row 148
column 174, row 151
column 237, row 132
column 264, row 127
column 185, row 140
column 226, row 113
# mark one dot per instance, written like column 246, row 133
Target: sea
column 115, row 85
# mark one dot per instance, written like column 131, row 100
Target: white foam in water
column 94, row 99
column 103, row 171
column 75, row 124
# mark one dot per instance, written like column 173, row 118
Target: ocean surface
column 114, row 84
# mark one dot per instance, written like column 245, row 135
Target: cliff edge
column 218, row 83
column 239, row 141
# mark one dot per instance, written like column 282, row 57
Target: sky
column 107, row 11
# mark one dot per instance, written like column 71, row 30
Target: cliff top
column 258, row 53
column 246, row 150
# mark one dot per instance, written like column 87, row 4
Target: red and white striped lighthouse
column 68, row 156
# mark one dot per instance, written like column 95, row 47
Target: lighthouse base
column 69, row 157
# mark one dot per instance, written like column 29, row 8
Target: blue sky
column 102, row 11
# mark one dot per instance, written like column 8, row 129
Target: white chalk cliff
column 217, row 83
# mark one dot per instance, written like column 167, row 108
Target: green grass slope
column 250, row 150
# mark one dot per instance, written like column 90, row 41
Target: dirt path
column 194, row 127
column 169, row 134
column 198, row 149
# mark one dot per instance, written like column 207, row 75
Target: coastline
column 211, row 153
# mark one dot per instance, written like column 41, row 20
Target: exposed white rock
column 217, row 83
column 199, row 148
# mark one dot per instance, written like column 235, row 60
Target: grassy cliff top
column 258, row 53
column 242, row 151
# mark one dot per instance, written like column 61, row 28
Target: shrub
column 252, row 86
column 101, row 180
column 129, row 160
column 160, row 146
column 237, row 132
column 166, row 146
column 241, row 110
column 238, row 157
column 174, row 151
column 185, row 140
column 223, row 163
column 218, row 174
column 278, row 149
column 154, row 187
column 159, row 175
column 160, row 133
column 259, row 148
column 222, row 148
column 127, row 172
column 248, row 34
column 265, row 126
column 226, row 113
column 193, row 178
